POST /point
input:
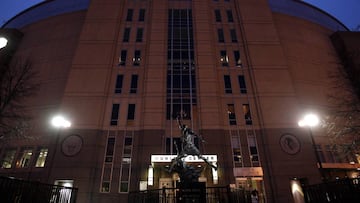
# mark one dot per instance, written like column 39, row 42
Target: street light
column 3, row 42
column 309, row 121
column 58, row 122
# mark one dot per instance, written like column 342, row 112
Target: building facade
column 239, row 73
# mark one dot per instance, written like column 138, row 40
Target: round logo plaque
column 71, row 145
column 290, row 144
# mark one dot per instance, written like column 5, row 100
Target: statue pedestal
column 191, row 192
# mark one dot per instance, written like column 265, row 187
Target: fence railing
column 176, row 195
column 340, row 191
column 20, row 191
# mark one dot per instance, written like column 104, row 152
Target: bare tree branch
column 17, row 83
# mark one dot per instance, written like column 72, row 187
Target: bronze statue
column 187, row 173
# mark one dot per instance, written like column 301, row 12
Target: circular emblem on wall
column 290, row 144
column 71, row 145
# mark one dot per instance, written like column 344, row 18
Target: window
column 41, row 157
column 227, row 83
column 220, row 35
column 181, row 76
column 8, row 158
column 254, row 157
column 119, row 83
column 131, row 112
column 122, row 58
column 233, row 35
column 126, row 163
column 134, row 84
column 217, row 15
column 129, row 14
column 238, row 62
column 231, row 113
column 24, row 158
column 229, row 16
column 110, row 149
column 242, row 84
column 115, row 114
column 141, row 15
column 247, row 114
column 126, row 35
column 137, row 58
column 139, row 34
column 236, row 147
column 224, row 59
column 105, row 186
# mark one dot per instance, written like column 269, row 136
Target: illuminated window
column 41, row 158
column 237, row 58
column 224, row 59
column 247, row 114
column 137, row 58
column 122, row 58
column 24, row 158
column 8, row 158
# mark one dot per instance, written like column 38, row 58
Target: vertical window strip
column 125, row 171
column 107, row 169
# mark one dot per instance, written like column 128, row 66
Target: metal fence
column 20, row 191
column 340, row 191
column 176, row 195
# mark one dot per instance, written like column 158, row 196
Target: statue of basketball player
column 188, row 148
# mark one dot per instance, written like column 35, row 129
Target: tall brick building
column 241, row 73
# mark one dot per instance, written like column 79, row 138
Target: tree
column 17, row 83
column 343, row 121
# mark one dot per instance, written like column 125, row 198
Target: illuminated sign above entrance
column 168, row 158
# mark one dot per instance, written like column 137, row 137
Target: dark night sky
column 347, row 11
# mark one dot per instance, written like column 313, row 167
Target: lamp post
column 309, row 121
column 58, row 122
